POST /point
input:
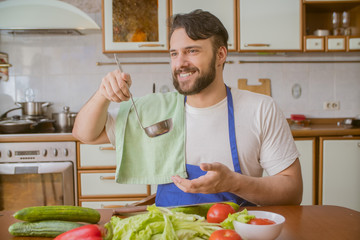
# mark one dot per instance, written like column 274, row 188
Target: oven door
column 36, row 184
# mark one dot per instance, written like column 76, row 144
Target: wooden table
column 302, row 222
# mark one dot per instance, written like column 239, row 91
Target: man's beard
column 201, row 82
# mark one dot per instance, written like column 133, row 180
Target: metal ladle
column 156, row 129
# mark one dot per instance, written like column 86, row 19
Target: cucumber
column 49, row 228
column 65, row 213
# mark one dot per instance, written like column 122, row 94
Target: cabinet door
column 306, row 150
column 340, row 177
column 225, row 10
column 139, row 25
column 268, row 25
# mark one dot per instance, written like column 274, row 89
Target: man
column 231, row 135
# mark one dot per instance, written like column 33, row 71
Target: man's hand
column 217, row 179
column 115, row 86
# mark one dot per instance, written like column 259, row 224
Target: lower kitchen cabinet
column 96, row 166
column 306, row 148
column 339, row 172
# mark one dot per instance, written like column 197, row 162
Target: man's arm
column 89, row 126
column 284, row 188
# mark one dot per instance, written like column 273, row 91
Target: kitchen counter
column 37, row 137
column 302, row 222
column 318, row 127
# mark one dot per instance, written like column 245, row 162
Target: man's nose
column 181, row 61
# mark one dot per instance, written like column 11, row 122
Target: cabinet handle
column 257, row 45
column 107, row 178
column 106, row 148
column 151, row 45
column 359, row 144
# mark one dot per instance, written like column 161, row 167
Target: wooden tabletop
column 302, row 222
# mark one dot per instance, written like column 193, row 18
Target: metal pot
column 64, row 121
column 17, row 126
column 33, row 108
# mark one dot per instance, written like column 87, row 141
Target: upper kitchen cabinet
column 270, row 25
column 225, row 10
column 331, row 26
column 135, row 25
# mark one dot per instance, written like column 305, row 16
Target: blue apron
column 170, row 195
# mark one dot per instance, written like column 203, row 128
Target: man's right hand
column 115, row 86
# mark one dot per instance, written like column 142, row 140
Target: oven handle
column 38, row 168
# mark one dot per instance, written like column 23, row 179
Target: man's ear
column 221, row 55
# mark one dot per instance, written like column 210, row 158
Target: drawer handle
column 151, row 45
column 107, row 178
column 106, row 148
column 257, row 45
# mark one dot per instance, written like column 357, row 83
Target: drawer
column 354, row 44
column 101, row 184
column 97, row 155
column 336, row 44
column 105, row 204
column 314, row 44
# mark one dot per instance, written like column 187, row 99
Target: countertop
column 301, row 222
column 318, row 127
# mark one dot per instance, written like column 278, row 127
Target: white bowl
column 260, row 232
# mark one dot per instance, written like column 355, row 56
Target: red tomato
column 225, row 234
column 219, row 212
column 261, row 221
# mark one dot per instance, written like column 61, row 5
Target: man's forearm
column 281, row 189
column 91, row 119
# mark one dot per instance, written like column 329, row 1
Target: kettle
column 64, row 121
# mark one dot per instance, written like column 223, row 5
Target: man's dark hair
column 200, row 24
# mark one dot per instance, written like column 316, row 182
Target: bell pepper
column 86, row 232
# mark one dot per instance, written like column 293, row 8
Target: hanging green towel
column 144, row 160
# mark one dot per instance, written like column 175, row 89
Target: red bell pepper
column 87, row 232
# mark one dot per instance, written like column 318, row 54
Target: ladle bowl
column 156, row 129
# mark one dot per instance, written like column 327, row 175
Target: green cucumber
column 49, row 228
column 65, row 213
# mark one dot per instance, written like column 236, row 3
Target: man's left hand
column 217, row 179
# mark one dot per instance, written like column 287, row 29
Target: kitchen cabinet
column 131, row 26
column 96, row 179
column 306, row 148
column 319, row 15
column 270, row 25
column 339, row 171
column 225, row 10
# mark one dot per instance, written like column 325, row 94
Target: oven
column 37, row 174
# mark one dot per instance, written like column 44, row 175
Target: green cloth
column 144, row 160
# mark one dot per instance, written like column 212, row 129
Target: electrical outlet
column 332, row 105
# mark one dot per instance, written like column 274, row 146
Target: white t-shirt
column 263, row 136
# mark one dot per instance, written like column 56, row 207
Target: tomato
column 261, row 221
column 219, row 212
column 225, row 234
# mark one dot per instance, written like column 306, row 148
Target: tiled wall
column 63, row 70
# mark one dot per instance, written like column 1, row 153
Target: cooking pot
column 64, row 121
column 17, row 126
column 33, row 108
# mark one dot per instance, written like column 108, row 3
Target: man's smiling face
column 192, row 63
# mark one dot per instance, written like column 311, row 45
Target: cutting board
column 263, row 88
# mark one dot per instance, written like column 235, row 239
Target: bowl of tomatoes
column 265, row 226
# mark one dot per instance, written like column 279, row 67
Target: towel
column 144, row 160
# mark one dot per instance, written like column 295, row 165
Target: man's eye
column 173, row 54
column 192, row 50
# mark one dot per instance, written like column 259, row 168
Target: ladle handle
column 132, row 100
